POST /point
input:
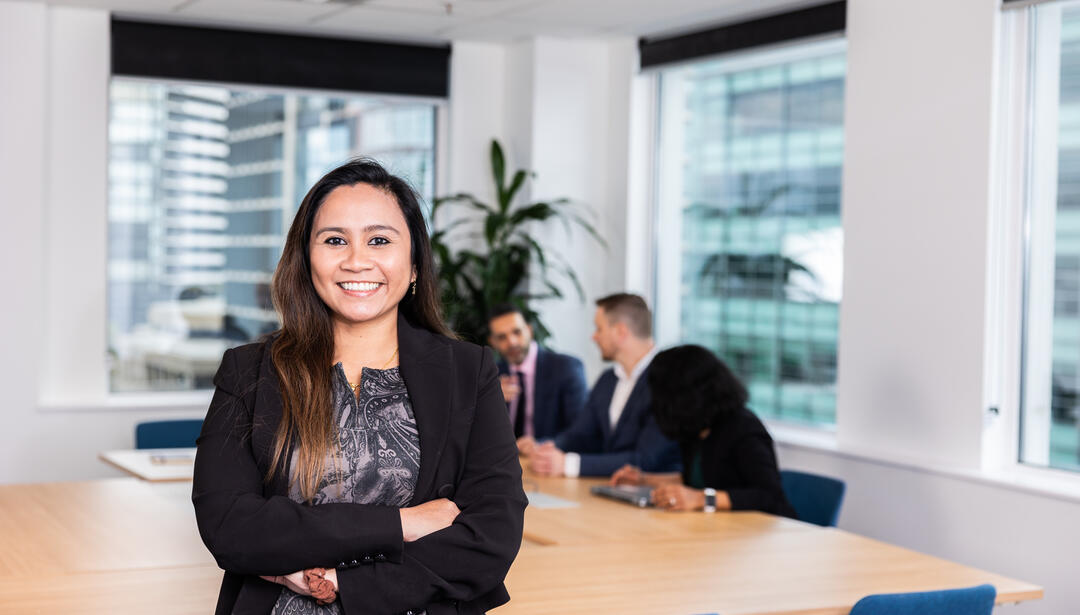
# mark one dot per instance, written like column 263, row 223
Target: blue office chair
column 167, row 434
column 816, row 499
column 978, row 600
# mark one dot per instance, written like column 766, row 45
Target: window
column 203, row 184
column 1050, row 397
column 749, row 240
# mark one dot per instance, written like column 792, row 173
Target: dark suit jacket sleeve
column 653, row 453
column 585, row 435
column 756, row 465
column 248, row 533
column 572, row 393
column 472, row 556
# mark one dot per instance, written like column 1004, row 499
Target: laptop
column 631, row 494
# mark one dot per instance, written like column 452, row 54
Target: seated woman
column 728, row 458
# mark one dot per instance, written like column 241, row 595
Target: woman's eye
column 335, row 241
column 378, row 241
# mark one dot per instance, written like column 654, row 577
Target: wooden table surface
column 126, row 546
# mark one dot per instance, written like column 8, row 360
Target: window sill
column 1044, row 482
column 188, row 401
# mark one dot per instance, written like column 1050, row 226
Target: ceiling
column 448, row 20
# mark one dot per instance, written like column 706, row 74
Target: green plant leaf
column 535, row 211
column 515, row 185
column 498, row 168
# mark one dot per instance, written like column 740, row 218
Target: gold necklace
column 356, row 387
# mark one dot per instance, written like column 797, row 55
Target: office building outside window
column 203, row 184
column 1050, row 394
column 749, row 240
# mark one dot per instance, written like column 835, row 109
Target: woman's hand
column 294, row 581
column 678, row 498
column 628, row 475
column 429, row 517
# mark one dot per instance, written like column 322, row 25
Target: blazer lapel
column 608, row 381
column 427, row 368
column 264, row 430
column 542, row 392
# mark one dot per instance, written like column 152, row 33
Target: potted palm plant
column 489, row 258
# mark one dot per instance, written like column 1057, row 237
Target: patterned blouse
column 379, row 458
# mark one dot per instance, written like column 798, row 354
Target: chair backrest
column 816, row 499
column 978, row 600
column 167, row 434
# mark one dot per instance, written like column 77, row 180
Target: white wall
column 915, row 199
column 53, row 80
column 566, row 117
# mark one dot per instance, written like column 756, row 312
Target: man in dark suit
column 616, row 426
column 543, row 389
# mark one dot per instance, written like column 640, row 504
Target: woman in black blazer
column 727, row 455
column 400, row 493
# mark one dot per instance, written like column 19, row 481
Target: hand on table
column 677, row 498
column 547, row 460
column 628, row 475
column 526, row 445
column 429, row 517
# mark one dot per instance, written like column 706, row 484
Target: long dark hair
column 691, row 389
column 304, row 348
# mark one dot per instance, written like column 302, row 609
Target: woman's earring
column 414, row 288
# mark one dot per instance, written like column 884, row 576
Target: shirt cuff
column 572, row 465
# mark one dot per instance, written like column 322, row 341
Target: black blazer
column 559, row 391
column 467, row 454
column 635, row 440
column 738, row 457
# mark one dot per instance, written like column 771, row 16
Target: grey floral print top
column 378, row 461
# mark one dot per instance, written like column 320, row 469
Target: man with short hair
column 543, row 389
column 616, row 426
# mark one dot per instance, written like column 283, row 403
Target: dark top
column 738, row 457
column 635, row 440
column 379, row 460
column 559, row 392
column 467, row 454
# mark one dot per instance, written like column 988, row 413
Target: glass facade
column 750, row 159
column 203, row 184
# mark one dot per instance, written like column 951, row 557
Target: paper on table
column 543, row 500
column 172, row 458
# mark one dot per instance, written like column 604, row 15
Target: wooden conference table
column 127, row 545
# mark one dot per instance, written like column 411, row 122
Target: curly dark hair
column 691, row 388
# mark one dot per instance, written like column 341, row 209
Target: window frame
column 665, row 297
column 1025, row 174
column 74, row 362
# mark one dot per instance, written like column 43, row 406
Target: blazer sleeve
column 653, row 453
column 756, row 464
column 585, row 434
column 248, row 533
column 472, row 556
column 572, row 394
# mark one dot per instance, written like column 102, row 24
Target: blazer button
column 368, row 559
column 380, row 558
column 353, row 563
column 344, row 565
column 445, row 491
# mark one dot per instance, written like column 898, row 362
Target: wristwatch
column 710, row 499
